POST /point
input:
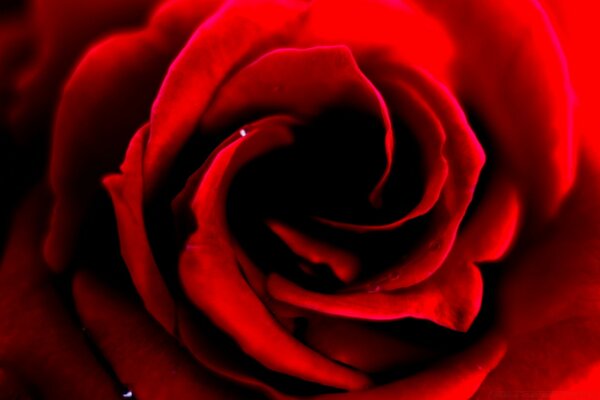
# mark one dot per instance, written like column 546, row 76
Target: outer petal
column 96, row 117
column 220, row 361
column 146, row 359
column 360, row 346
column 379, row 31
column 557, row 276
column 576, row 23
column 39, row 341
column 490, row 233
column 550, row 298
column 64, row 29
column 586, row 382
column 457, row 378
column 126, row 190
column 531, row 368
column 504, row 68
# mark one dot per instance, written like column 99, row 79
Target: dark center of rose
column 330, row 170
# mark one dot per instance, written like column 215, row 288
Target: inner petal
column 302, row 83
column 209, row 270
column 329, row 171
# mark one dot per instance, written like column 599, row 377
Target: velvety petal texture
column 237, row 32
column 520, row 47
column 40, row 343
column 465, row 159
column 208, row 267
column 576, row 29
column 124, row 333
column 282, row 80
column 135, row 63
column 456, row 379
column 438, row 299
column 63, row 31
column 362, row 346
column 299, row 199
column 126, row 190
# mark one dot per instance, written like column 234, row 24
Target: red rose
column 289, row 199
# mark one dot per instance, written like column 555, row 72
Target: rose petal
column 238, row 32
column 491, row 231
column 585, row 382
column 409, row 106
column 379, row 30
column 181, row 202
column 361, row 347
column 300, row 83
column 146, row 359
column 38, row 337
column 180, row 206
column 281, row 81
column 342, row 263
column 550, row 297
column 438, row 299
column 557, row 276
column 210, row 274
column 220, row 361
column 96, row 118
column 253, row 275
column 530, row 365
column 456, row 378
column 465, row 159
column 126, row 191
column 507, row 67
column 577, row 27
column 64, row 29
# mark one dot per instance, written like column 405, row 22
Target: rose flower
column 289, row 199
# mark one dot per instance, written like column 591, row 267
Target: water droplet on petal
column 243, row 132
column 128, row 394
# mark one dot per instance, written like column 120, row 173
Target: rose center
column 329, row 172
